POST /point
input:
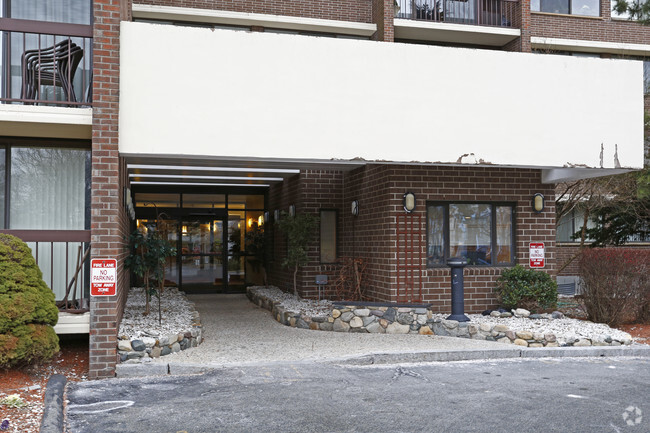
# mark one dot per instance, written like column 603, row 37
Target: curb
column 52, row 421
column 141, row 370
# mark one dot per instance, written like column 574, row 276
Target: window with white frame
column 483, row 233
column 590, row 8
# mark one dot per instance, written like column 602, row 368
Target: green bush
column 27, row 308
column 519, row 287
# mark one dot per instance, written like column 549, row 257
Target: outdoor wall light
column 355, row 207
column 267, row 216
column 409, row 202
column 292, row 210
column 276, row 215
column 538, row 202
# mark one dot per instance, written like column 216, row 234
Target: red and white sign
column 536, row 254
column 103, row 277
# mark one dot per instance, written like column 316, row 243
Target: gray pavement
column 237, row 332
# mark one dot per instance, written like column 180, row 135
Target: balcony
column 45, row 63
column 470, row 22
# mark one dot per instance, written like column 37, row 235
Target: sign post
column 103, row 277
column 536, row 254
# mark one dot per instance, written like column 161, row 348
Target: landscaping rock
column 521, row 312
column 138, row 345
column 397, row 328
column 340, row 326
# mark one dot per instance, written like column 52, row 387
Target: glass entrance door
column 202, row 255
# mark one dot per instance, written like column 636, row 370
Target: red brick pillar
column 521, row 20
column 109, row 223
column 383, row 13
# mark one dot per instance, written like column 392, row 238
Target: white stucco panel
column 195, row 91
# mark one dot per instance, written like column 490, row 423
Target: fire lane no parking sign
column 536, row 255
column 103, row 277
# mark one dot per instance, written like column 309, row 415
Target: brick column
column 383, row 13
column 109, row 223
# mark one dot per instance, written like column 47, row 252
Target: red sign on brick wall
column 536, row 254
column 103, row 277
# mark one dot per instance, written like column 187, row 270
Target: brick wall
column 343, row 10
column 589, row 28
column 373, row 234
column 383, row 14
column 109, row 223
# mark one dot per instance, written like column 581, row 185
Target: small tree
column 299, row 230
column 149, row 253
column 256, row 247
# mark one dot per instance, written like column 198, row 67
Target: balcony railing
column 45, row 63
column 496, row 13
column 62, row 256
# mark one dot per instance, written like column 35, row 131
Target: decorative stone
column 138, row 345
column 347, row 316
column 405, row 318
column 390, row 314
column 450, row 324
column 500, row 327
column 583, row 342
column 535, row 316
column 520, row 342
column 550, row 338
column 363, row 312
column 397, row 328
column 172, row 338
column 319, row 319
column 485, row 327
column 123, row 357
column 608, row 339
column 133, row 355
column 425, row 330
column 377, row 313
column 375, row 328
column 368, row 320
column 506, row 315
column 358, row 330
column 414, row 326
column 495, row 313
column 124, row 345
column 184, row 343
column 521, row 312
column 155, row 352
column 421, row 319
column 511, row 335
column 463, row 331
column 325, row 326
column 313, row 326
column 538, row 336
column 165, row 351
column 300, row 323
column 149, row 342
column 340, row 326
column 440, row 329
column 404, row 310
column 504, row 340
column 472, row 328
column 535, row 345
column 336, row 313
column 292, row 322
column 524, row 335
column 356, row 322
column 553, row 344
column 383, row 323
column 420, row 311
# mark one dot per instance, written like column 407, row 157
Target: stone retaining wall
column 416, row 320
column 138, row 350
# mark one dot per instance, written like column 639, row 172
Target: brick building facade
column 226, row 114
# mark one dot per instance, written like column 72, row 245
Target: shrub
column 27, row 307
column 526, row 288
column 616, row 284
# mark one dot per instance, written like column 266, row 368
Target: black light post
column 457, row 289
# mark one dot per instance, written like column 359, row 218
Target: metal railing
column 496, row 13
column 45, row 63
column 62, row 257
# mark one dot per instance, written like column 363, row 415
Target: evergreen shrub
column 519, row 287
column 27, row 308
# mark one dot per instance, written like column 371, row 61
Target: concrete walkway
column 237, row 331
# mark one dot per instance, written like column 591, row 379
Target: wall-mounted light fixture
column 276, row 215
column 250, row 222
column 292, row 210
column 538, row 202
column 184, row 230
column 267, row 216
column 355, row 207
column 260, row 221
column 409, row 202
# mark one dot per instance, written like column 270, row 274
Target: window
column 481, row 232
column 328, row 236
column 571, row 223
column 625, row 15
column 589, row 8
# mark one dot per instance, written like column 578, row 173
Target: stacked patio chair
column 52, row 66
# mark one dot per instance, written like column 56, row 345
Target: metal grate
column 409, row 258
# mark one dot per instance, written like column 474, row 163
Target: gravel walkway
column 237, row 331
